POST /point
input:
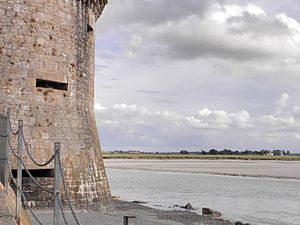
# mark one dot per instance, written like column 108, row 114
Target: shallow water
column 249, row 199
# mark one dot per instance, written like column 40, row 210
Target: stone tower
column 47, row 50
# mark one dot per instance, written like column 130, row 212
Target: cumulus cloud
column 210, row 71
column 131, row 125
column 231, row 32
column 243, row 39
column 282, row 103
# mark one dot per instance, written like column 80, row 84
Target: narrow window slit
column 51, row 84
column 35, row 173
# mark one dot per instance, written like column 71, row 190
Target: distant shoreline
column 165, row 156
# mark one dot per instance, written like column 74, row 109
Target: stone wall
column 53, row 41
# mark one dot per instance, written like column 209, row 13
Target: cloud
column 210, row 71
column 131, row 125
column 228, row 35
column 282, row 103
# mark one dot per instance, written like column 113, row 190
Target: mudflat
column 251, row 168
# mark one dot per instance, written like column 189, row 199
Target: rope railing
column 59, row 175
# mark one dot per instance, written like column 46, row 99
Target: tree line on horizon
column 236, row 152
column 212, row 152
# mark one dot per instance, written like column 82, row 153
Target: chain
column 31, row 157
column 67, row 193
column 23, row 196
column 61, row 209
column 56, row 195
column 11, row 129
column 14, row 152
column 28, row 207
column 34, row 180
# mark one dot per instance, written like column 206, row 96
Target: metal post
column 19, row 172
column 56, row 183
column 6, row 175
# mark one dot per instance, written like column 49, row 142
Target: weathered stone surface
column 54, row 41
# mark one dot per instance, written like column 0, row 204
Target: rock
column 139, row 202
column 210, row 212
column 217, row 214
column 241, row 223
column 207, row 211
column 188, row 206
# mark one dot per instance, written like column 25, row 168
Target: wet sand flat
column 276, row 169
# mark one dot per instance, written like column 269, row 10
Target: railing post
column 6, row 175
column 56, row 183
column 19, row 172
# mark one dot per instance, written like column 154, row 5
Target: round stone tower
column 47, row 50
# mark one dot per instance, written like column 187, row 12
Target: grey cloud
column 150, row 12
column 187, row 48
column 106, row 87
column 140, row 127
column 165, row 101
column 154, row 92
column 257, row 25
column 149, row 92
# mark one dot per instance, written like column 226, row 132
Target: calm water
column 254, row 200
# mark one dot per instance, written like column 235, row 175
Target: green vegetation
column 111, row 155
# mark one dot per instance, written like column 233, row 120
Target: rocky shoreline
column 144, row 216
column 186, row 215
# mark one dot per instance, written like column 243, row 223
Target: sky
column 198, row 74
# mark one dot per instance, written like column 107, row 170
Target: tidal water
column 249, row 199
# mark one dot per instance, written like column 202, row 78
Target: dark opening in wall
column 51, row 84
column 36, row 173
column 89, row 28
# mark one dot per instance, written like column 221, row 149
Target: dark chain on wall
column 67, row 193
column 31, row 157
column 23, row 196
column 61, row 208
column 34, row 180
